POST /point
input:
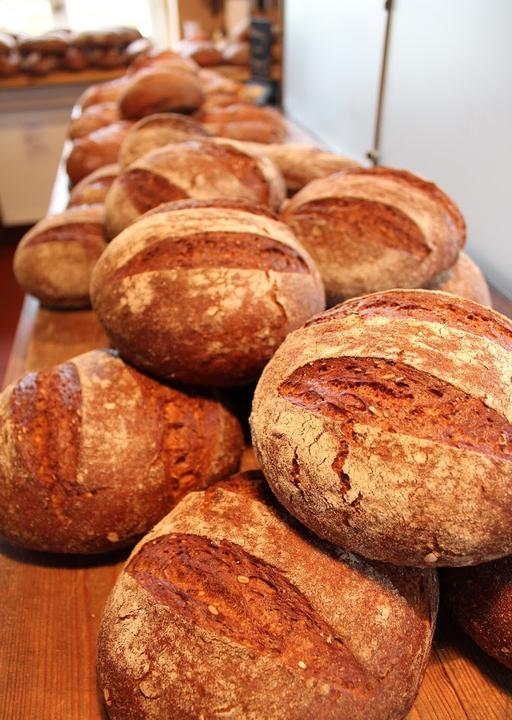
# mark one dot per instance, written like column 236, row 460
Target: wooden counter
column 61, row 77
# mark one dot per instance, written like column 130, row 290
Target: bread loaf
column 237, row 53
column 376, row 229
column 480, row 600
column 48, row 44
column 244, row 121
column 200, row 169
column 94, row 187
column 161, row 89
column 466, row 280
column 9, row 64
column 155, row 131
column 75, row 59
column 96, row 150
column 93, row 118
column 385, row 425
column 168, row 58
column 103, row 92
column 204, row 292
column 203, row 52
column 55, row 258
column 228, row 609
column 94, row 453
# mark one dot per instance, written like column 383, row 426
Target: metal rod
column 374, row 153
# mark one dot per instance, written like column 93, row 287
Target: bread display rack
column 52, row 605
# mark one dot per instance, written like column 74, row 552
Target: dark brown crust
column 213, row 250
column 424, row 185
column 89, row 235
column 146, row 189
column 360, row 219
column 428, row 307
column 93, row 151
column 480, row 599
column 397, row 398
column 268, row 614
column 158, row 89
column 224, row 203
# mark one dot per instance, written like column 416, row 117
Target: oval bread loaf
column 156, row 131
column 55, row 258
column 466, row 280
column 204, row 292
column 376, row 229
column 244, row 121
column 109, row 91
column 228, row 607
column 385, row 425
column 93, row 188
column 161, row 88
column 96, row 150
column 93, row 453
column 199, row 169
column 93, row 118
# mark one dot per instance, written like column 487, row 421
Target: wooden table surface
column 61, row 77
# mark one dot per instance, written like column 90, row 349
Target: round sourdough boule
column 466, row 280
column 155, row 131
column 93, row 453
column 92, row 118
column 96, row 150
column 94, row 187
column 480, row 600
column 199, row 169
column 161, row 88
column 204, row 291
column 376, row 229
column 55, row 258
column 229, row 608
column 385, row 425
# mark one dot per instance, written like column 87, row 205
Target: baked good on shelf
column 466, row 280
column 54, row 259
column 94, row 187
column 94, row 453
column 155, row 131
column 52, row 43
column 9, row 64
column 163, row 57
column 8, row 44
column 160, row 88
column 109, row 91
column 75, row 59
column 237, row 53
column 480, row 600
column 376, row 229
column 108, row 57
column 244, row 121
column 204, row 291
column 92, row 118
column 203, row 52
column 95, row 150
column 200, row 169
column 228, row 606
column 35, row 63
column 385, row 426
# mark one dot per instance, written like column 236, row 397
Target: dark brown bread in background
column 385, row 426
column 93, row 188
column 204, row 291
column 227, row 603
column 480, row 600
column 376, row 229
column 93, row 151
column 94, row 453
column 161, row 89
column 55, row 258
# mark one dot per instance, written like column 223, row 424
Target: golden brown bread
column 103, row 92
column 466, row 280
column 96, row 150
column 55, row 258
column 160, row 88
column 228, row 608
column 93, row 118
column 156, row 131
column 94, row 453
column 200, row 169
column 204, row 292
column 94, row 187
column 244, row 121
column 385, row 425
column 480, row 599
column 237, row 53
column 203, row 52
column 376, row 229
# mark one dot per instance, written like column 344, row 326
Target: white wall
column 332, row 68
column 448, row 102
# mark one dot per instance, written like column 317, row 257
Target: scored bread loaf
column 161, row 88
column 385, row 425
column 376, row 229
column 92, row 118
column 228, row 608
column 155, row 131
column 480, row 600
column 96, row 150
column 93, row 188
column 204, row 292
column 94, row 453
column 199, row 169
column 466, row 280
column 55, row 258
column 109, row 91
column 244, row 121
